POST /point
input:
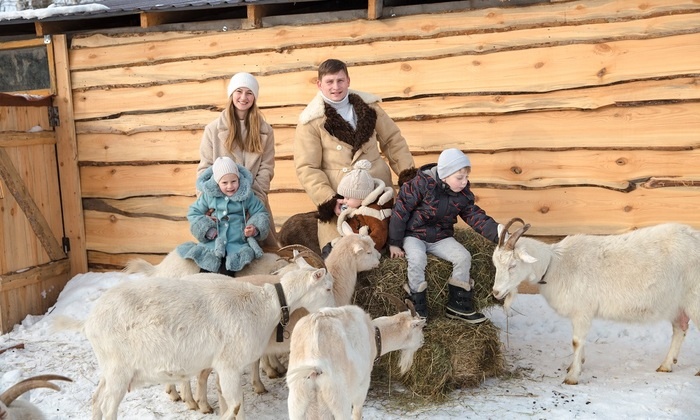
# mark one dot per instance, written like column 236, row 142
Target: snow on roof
column 114, row 7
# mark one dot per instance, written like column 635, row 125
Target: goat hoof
column 663, row 369
column 260, row 391
column 571, row 381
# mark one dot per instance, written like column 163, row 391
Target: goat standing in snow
column 12, row 408
column 646, row 275
column 156, row 330
column 332, row 355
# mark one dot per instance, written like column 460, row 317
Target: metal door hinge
column 53, row 117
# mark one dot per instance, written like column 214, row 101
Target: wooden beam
column 149, row 19
column 374, row 9
column 37, row 221
column 256, row 13
column 67, row 156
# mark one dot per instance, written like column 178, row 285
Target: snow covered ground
column 619, row 380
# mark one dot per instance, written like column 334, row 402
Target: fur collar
column 316, row 108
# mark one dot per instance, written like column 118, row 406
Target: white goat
column 174, row 266
column 332, row 355
column 351, row 254
column 12, row 408
column 156, row 330
column 646, row 275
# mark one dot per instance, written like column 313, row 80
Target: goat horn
column 510, row 245
column 41, row 381
column 411, row 308
column 315, row 259
column 398, row 303
column 506, row 228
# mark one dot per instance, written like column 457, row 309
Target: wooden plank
column 166, row 207
column 677, row 89
column 24, row 139
column 67, row 155
column 39, row 224
column 144, row 49
column 23, row 43
column 554, row 211
column 659, row 126
column 669, row 125
column 26, row 119
column 614, row 169
column 32, row 291
column 148, row 146
column 383, row 50
column 129, row 181
column 538, row 70
column 111, row 262
column 113, row 233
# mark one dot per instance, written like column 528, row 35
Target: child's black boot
column 419, row 299
column 460, row 304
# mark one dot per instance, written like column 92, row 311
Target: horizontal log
column 614, row 169
column 169, row 146
column 537, row 70
column 552, row 212
column 385, row 49
column 679, row 89
column 666, row 126
column 102, row 51
column 132, row 181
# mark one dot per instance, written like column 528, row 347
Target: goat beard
column 406, row 360
column 508, row 301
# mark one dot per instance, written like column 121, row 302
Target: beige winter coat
column 261, row 165
column 322, row 159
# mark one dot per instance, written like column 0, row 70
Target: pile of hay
column 455, row 354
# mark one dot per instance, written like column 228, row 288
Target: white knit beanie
column 224, row 165
column 357, row 183
column 245, row 80
column 451, row 161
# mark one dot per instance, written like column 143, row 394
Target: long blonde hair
column 253, row 141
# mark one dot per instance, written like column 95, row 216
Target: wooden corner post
column 67, row 157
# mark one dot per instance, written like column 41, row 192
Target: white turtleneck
column 344, row 109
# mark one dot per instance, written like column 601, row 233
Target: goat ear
column 347, row 230
column 418, row 323
column 524, row 256
column 319, row 274
column 364, row 230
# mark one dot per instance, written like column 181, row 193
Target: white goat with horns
column 11, row 408
column 156, row 330
column 646, row 275
column 332, row 355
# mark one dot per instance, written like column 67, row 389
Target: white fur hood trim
column 315, row 108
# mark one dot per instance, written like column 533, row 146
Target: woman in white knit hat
column 241, row 133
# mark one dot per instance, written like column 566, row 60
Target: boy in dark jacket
column 422, row 223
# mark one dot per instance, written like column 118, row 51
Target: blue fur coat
column 232, row 215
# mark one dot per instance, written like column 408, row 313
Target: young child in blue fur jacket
column 227, row 219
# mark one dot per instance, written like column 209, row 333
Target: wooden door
column 34, row 264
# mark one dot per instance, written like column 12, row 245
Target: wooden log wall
column 578, row 116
